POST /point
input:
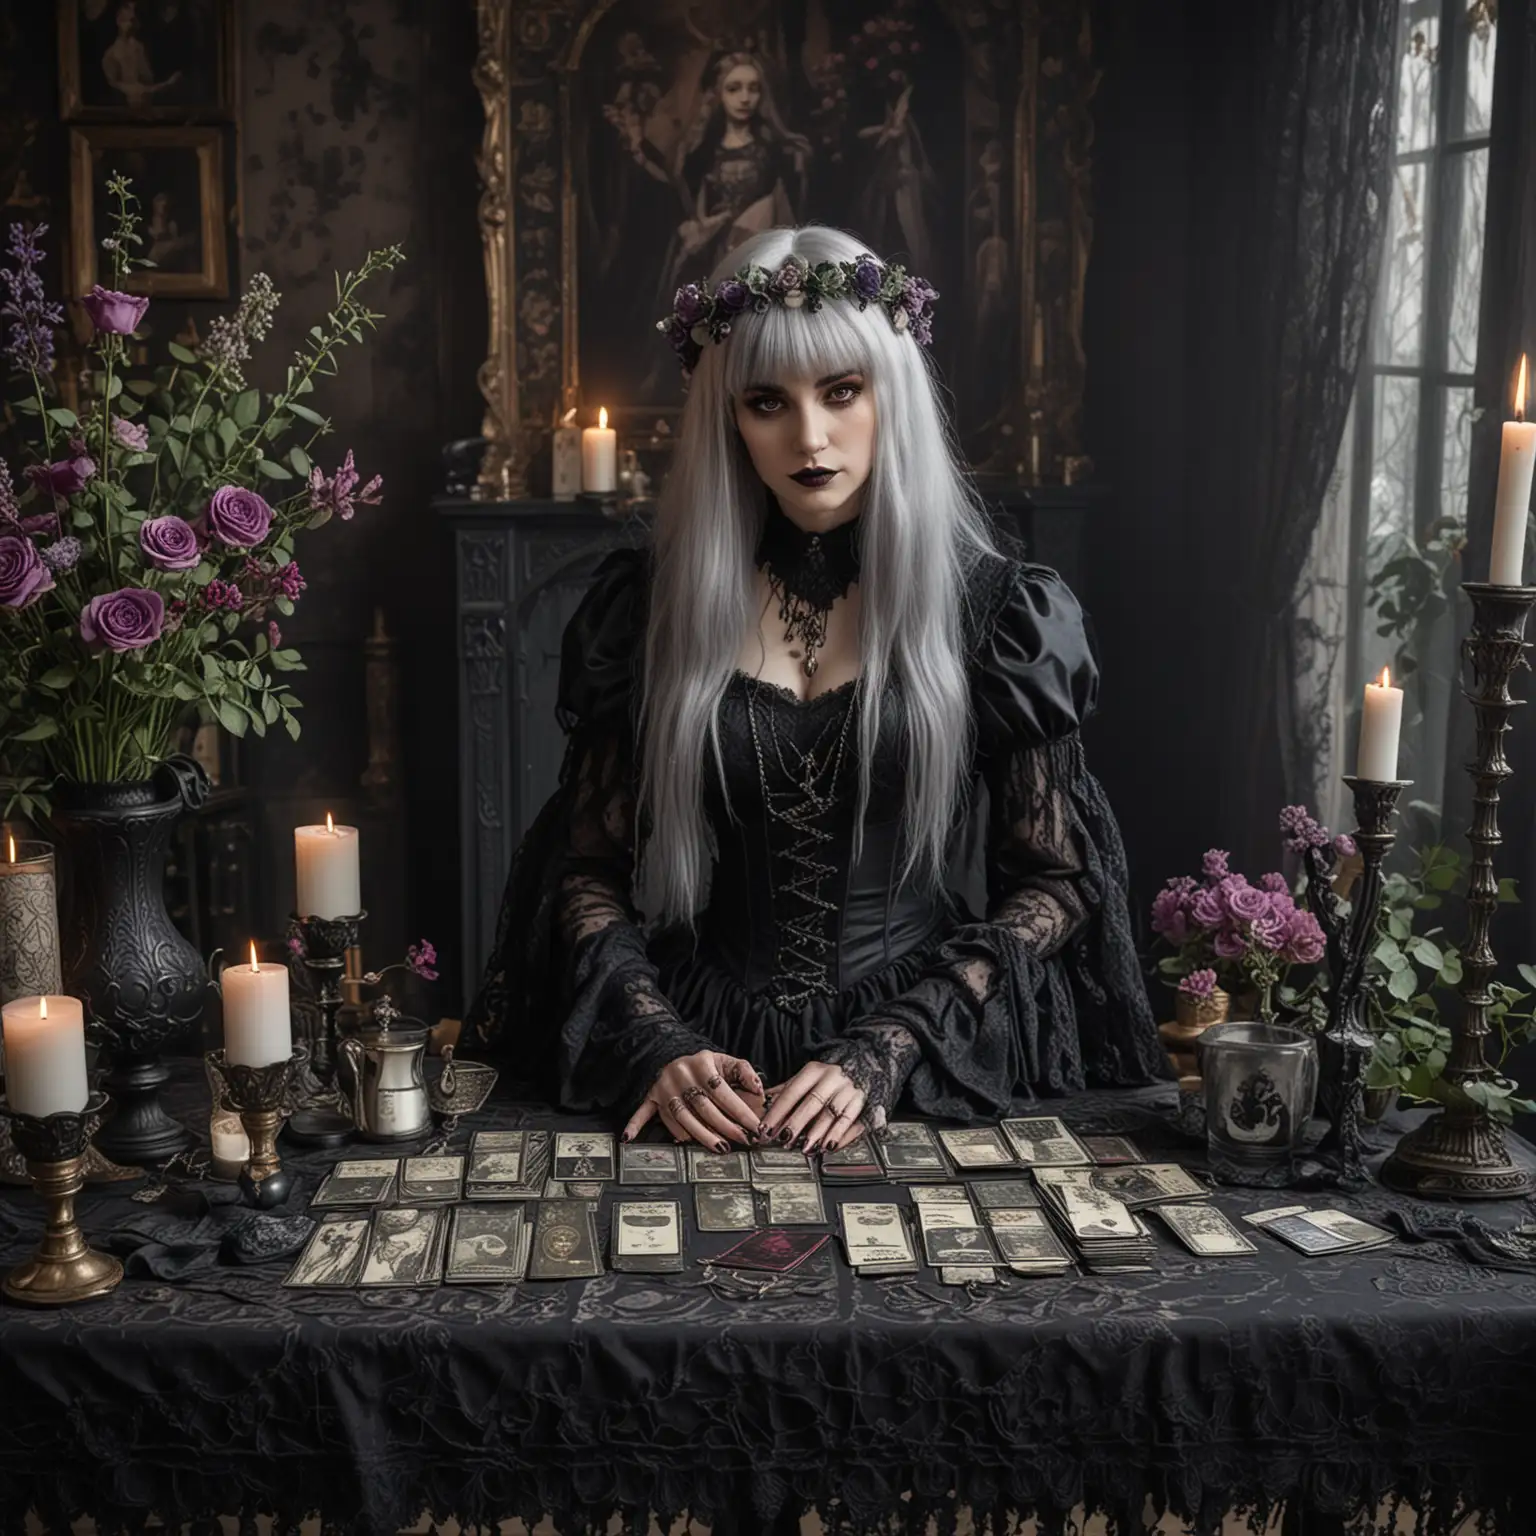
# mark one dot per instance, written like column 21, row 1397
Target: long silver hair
column 920, row 520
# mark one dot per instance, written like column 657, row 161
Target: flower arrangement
column 1227, row 932
column 148, row 541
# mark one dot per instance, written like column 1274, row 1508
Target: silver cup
column 1260, row 1086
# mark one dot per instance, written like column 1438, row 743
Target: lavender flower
column 33, row 319
column 127, row 620
column 1198, row 985
column 339, row 494
column 131, row 435
column 227, row 345
column 10, row 508
column 23, row 576
column 62, row 556
column 421, row 958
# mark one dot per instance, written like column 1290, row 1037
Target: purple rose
column 1243, row 901
column 1170, row 915
column 131, row 435
column 1344, row 846
column 126, row 620
column 23, row 576
column 64, row 477
column 169, row 544
column 1275, row 883
column 1229, row 944
column 1206, row 909
column 733, row 294
column 866, row 277
column 238, row 517
column 690, row 305
column 116, row 313
column 1305, row 943
column 1271, row 932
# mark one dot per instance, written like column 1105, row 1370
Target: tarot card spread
column 333, row 1257
column 583, row 1155
column 405, row 1248
column 487, row 1245
column 725, row 1207
column 358, row 1181
column 647, row 1237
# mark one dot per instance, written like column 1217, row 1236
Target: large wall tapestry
column 631, row 144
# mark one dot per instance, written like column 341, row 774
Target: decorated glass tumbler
column 1260, row 1086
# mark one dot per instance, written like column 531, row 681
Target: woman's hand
column 709, row 1097
column 819, row 1103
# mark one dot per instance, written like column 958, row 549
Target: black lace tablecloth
column 1327, row 1383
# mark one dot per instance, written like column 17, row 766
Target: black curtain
column 1292, row 149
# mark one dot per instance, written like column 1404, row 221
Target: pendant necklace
column 807, row 573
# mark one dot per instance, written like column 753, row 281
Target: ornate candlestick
column 321, row 1117
column 1346, row 1043
column 259, row 1094
column 1459, row 1153
column 66, row 1268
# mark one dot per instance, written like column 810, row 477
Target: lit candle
column 1380, row 726
column 600, row 456
column 1517, row 458
column 565, row 468
column 44, row 1055
column 257, row 1029
column 326, row 867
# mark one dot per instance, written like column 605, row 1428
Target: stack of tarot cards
column 358, row 1181
column 877, row 1239
column 1108, row 1237
column 1145, row 1184
column 507, row 1165
column 487, row 1245
column 854, row 1164
column 1318, row 1232
column 1043, row 1141
column 911, row 1152
column 954, row 1242
column 1026, row 1241
column 978, row 1149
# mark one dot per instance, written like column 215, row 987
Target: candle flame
column 254, row 965
column 330, row 825
column 1520, row 391
column 602, row 416
column 1385, row 680
column 42, row 1007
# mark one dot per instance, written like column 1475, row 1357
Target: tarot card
column 1361, row 1234
column 1263, row 1218
column 967, row 1274
column 1105, row 1150
column 772, row 1249
column 1205, row 1231
column 405, row 1247
column 912, row 1151
column 427, row 1179
column 564, row 1242
column 1092, row 1214
column 855, row 1163
column 580, row 1189
column 994, row 1194
column 957, row 1245
column 651, row 1163
column 1043, row 1141
column 725, row 1207
column 496, row 1166
column 875, row 1234
column 769, row 1163
column 487, row 1245
column 358, row 1181
column 706, row 1167
column 583, row 1155
column 1025, row 1239
column 333, row 1257
column 554, row 1189
column 647, row 1237
column 939, row 1194
column 979, row 1147
column 1327, row 1231
column 796, row 1205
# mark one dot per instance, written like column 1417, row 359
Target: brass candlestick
column 66, row 1268
column 259, row 1094
column 1459, row 1153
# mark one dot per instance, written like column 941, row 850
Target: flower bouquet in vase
column 146, row 557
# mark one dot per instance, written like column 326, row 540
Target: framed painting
column 631, row 145
column 145, row 60
column 178, row 177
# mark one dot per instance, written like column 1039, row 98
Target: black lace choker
column 807, row 572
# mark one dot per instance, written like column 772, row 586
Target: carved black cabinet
column 521, row 570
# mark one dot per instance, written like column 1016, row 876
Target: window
column 1404, row 462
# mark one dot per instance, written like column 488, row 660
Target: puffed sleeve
column 570, row 993
column 1046, row 991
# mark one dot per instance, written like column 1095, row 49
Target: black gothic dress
column 799, row 956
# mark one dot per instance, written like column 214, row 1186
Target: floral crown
column 699, row 315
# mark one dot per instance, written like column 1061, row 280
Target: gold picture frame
column 169, row 228
column 1024, row 156
column 163, row 99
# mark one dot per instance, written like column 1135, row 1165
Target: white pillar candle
column 1512, row 505
column 44, row 1055
column 1380, row 726
column 600, row 456
column 565, row 465
column 257, row 1026
column 326, row 870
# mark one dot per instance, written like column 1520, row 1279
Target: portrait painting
column 143, row 60
column 177, row 174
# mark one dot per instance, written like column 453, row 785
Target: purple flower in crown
column 691, row 305
column 733, row 295
column 787, row 285
column 866, row 279
column 916, row 301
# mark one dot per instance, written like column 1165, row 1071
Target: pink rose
column 1243, row 901
column 1206, row 909
column 1305, row 942
column 238, row 517
column 1229, row 944
column 116, row 313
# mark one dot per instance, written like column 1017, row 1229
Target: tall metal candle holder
column 1459, row 1153
column 321, row 1117
column 259, row 1093
column 65, row 1268
column 1345, row 1045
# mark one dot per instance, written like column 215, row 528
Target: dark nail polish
column 626, row 1137
column 785, row 1134
column 813, row 1146
column 752, row 1136
column 721, row 1146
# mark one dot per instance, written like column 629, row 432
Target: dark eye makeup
column 765, row 399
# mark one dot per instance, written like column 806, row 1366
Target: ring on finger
column 811, row 1093
column 695, row 1092
column 675, row 1103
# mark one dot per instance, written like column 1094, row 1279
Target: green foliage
column 68, row 711
column 1408, row 588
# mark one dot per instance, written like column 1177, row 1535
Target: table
column 1327, row 1383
